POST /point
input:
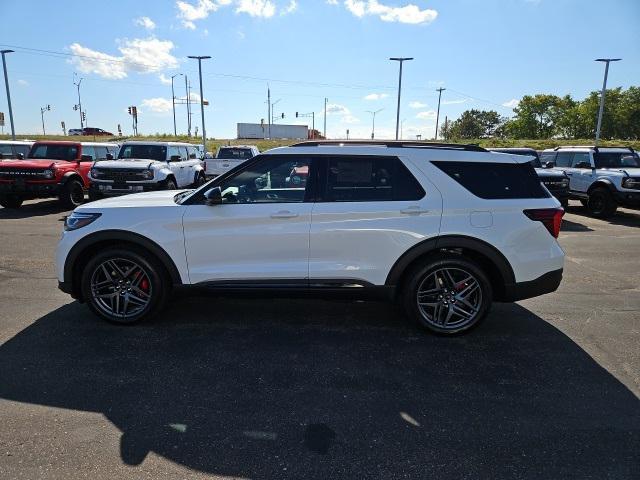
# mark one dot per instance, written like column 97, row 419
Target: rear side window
column 496, row 180
column 370, row 179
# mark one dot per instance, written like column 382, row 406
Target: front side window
column 150, row 152
column 581, row 160
column 547, row 157
column 90, row 151
column 564, row 159
column 370, row 179
column 54, row 151
column 270, row 180
column 23, row 149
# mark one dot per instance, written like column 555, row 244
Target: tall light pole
column 325, row 118
column 401, row 60
column 373, row 125
column 604, row 89
column 6, row 84
column 42, row 110
column 79, row 102
column 439, row 90
column 204, row 132
column 173, row 102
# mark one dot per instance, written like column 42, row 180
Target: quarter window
column 370, row 179
column 270, row 180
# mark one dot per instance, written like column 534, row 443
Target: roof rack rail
column 393, row 144
column 592, row 146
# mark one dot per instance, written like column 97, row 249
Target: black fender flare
column 434, row 245
column 114, row 236
column 603, row 182
column 72, row 175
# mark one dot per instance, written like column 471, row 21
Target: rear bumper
column 547, row 283
column 628, row 199
column 30, row 190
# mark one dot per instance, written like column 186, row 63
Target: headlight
column 147, row 174
column 633, row 183
column 48, row 173
column 79, row 220
column 95, row 173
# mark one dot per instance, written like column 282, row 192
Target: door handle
column 181, row 168
column 568, row 173
column 284, row 214
column 413, row 210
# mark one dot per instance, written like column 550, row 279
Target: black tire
column 200, row 180
column 156, row 289
column 94, row 195
column 11, row 201
column 445, row 319
column 171, row 184
column 601, row 203
column 72, row 194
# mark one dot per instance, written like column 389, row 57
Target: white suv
column 444, row 229
column 602, row 178
column 145, row 166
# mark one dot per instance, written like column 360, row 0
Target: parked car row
column 98, row 132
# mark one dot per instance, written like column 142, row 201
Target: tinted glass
column 173, row 151
column 101, row 153
column 193, row 152
column 54, row 151
column 564, row 159
column 235, row 153
column 370, row 179
column 580, row 159
column 270, row 180
column 88, row 150
column 151, row 152
column 548, row 157
column 6, row 151
column 23, row 149
column 616, row 159
column 496, row 180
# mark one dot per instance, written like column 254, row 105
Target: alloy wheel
column 449, row 298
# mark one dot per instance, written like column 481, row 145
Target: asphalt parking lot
column 273, row 388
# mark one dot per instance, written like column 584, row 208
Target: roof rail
column 392, row 144
column 592, row 147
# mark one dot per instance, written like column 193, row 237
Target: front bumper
column 628, row 199
column 109, row 189
column 547, row 283
column 30, row 189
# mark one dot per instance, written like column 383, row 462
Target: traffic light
column 296, row 114
column 84, row 116
column 49, row 107
column 134, row 109
column 129, row 110
column 282, row 114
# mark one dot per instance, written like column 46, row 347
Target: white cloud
column 349, row 119
column 23, row 83
column 337, row 109
column 164, row 79
column 332, row 2
column 158, row 105
column 376, row 96
column 256, row 8
column 454, row 102
column 145, row 22
column 292, row 7
column 511, row 103
column 409, row 13
column 138, row 55
column 190, row 13
column 427, row 114
column 417, row 104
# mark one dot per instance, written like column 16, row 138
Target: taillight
column 550, row 218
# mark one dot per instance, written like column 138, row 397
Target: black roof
column 393, row 144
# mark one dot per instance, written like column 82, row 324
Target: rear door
column 370, row 210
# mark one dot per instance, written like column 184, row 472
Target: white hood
column 140, row 163
column 161, row 198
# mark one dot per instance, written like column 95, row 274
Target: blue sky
column 488, row 54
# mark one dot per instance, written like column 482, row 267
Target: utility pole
column 401, row 60
column 204, row 132
column 604, row 90
column 6, row 84
column 373, row 125
column 269, row 109
column 313, row 121
column 439, row 90
column 79, row 101
column 186, row 89
column 42, row 110
column 173, row 102
column 325, row 117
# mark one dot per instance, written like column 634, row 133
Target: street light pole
column 373, row 125
column 439, row 90
column 6, row 84
column 604, row 90
column 42, row 110
column 401, row 60
column 79, row 102
column 325, row 118
column 173, row 101
column 204, row 133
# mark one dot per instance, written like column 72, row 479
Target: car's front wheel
column 601, row 203
column 447, row 295
column 72, row 194
column 11, row 201
column 124, row 285
column 171, row 184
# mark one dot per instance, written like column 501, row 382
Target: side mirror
column 175, row 158
column 213, row 196
column 86, row 158
column 109, row 156
column 20, row 156
column 548, row 164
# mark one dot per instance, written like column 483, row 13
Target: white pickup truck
column 229, row 157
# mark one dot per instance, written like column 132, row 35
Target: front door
column 260, row 231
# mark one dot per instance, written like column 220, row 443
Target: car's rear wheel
column 601, row 203
column 124, row 286
column 72, row 194
column 171, row 184
column 11, row 201
column 447, row 295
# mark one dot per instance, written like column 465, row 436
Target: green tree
column 475, row 124
column 535, row 116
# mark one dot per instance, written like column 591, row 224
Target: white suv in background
column 602, row 178
column 444, row 229
column 145, row 166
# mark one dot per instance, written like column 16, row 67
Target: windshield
column 235, row 153
column 55, row 152
column 151, row 152
column 616, row 159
